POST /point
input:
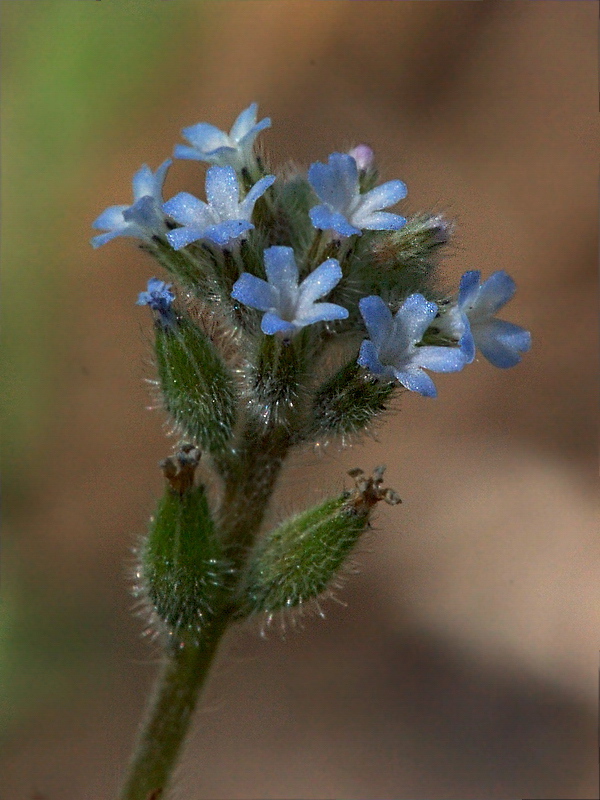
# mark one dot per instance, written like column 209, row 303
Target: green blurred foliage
column 71, row 73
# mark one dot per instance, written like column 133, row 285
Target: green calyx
column 197, row 387
column 298, row 560
column 183, row 570
column 348, row 402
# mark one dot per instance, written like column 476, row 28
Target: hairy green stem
column 183, row 674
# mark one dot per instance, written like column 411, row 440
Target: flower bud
column 364, row 157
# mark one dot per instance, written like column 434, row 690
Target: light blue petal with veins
column 272, row 324
column 380, row 221
column 183, row 151
column 501, row 342
column 494, row 293
column 346, row 171
column 227, row 231
column 327, row 186
column 111, row 217
column 467, row 345
column 245, row 121
column 188, row 210
column 321, row 281
column 335, row 183
column 322, row 312
column 382, row 196
column 255, row 292
column 161, row 174
column 439, row 359
column 247, row 141
column 469, row 285
column 377, row 318
column 223, row 191
column 259, row 188
column 367, row 357
column 205, row 137
column 415, row 316
column 281, row 268
column 103, row 238
column 143, row 182
column 417, row 381
column 180, row 237
column 324, row 219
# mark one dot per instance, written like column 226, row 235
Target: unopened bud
column 364, row 157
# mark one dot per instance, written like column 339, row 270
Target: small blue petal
column 272, row 324
column 254, row 292
column 440, row 359
column 377, row 318
column 103, row 238
column 281, row 268
column 186, row 152
column 110, row 218
column 181, row 237
column 367, row 358
column 501, row 342
column 324, row 219
column 382, row 221
column 495, row 293
column 227, row 231
column 384, row 196
column 467, row 345
column 417, row 381
column 244, row 123
column 323, row 312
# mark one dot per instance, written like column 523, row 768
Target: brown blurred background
column 465, row 663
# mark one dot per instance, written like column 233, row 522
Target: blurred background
column 465, row 662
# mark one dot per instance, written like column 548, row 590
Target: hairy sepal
column 297, row 561
column 348, row 402
column 197, row 387
column 183, row 570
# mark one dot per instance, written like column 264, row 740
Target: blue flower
column 159, row 297
column 471, row 320
column 144, row 218
column 345, row 210
column 215, row 146
column 290, row 306
column 223, row 219
column 393, row 351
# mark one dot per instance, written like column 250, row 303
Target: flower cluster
column 333, row 280
column 302, row 303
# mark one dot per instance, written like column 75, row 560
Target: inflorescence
column 301, row 305
column 407, row 331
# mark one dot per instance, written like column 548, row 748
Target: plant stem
column 182, row 676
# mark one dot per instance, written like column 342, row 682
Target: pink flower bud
column 364, row 157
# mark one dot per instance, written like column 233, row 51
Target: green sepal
column 183, row 570
column 197, row 387
column 348, row 402
column 405, row 261
column 277, row 376
column 298, row 560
